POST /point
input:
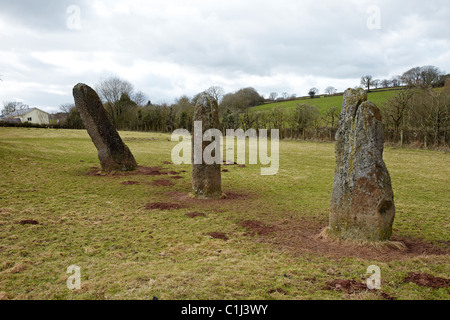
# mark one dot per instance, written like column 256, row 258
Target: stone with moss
column 362, row 202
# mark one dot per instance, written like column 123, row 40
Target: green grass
column 127, row 252
column 323, row 103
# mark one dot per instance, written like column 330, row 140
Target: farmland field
column 323, row 103
column 138, row 236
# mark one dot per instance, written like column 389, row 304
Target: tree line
column 416, row 114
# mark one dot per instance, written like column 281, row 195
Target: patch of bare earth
column 218, row 235
column 25, row 222
column 229, row 198
column 300, row 236
column 163, row 183
column 256, row 227
column 130, row 183
column 349, row 286
column 426, row 280
column 146, row 171
column 195, row 214
column 163, row 206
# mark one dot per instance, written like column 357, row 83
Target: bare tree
column 330, row 90
column 216, row 93
column 367, row 81
column 12, row 106
column 376, row 83
column 285, row 95
column 140, row 98
column 385, row 83
column 111, row 89
column 273, row 96
column 421, row 76
column 396, row 81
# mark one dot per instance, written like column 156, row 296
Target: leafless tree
column 330, row 90
column 273, row 96
column 367, row 81
column 216, row 93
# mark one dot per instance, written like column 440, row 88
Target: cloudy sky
column 170, row 48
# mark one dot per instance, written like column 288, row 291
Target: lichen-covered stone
column 206, row 178
column 114, row 155
column 362, row 201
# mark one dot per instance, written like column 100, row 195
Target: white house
column 32, row 115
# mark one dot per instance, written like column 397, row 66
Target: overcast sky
column 170, row 48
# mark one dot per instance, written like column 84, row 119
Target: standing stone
column 362, row 202
column 206, row 177
column 114, row 155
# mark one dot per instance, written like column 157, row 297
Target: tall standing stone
column 362, row 201
column 206, row 177
column 114, row 155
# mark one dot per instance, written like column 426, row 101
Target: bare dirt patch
column 426, row 280
column 218, row 235
column 146, row 171
column 349, row 286
column 167, row 162
column 25, row 222
column 163, row 183
column 225, row 170
column 256, row 227
column 176, row 177
column 300, row 236
column 163, row 206
column 188, row 198
column 195, row 214
column 130, row 183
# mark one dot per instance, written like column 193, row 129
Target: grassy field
column 323, row 103
column 259, row 243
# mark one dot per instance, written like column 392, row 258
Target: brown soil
column 24, row 222
column 167, row 163
column 241, row 166
column 426, row 280
column 225, row 170
column 195, row 214
column 349, row 286
column 163, row 206
column 231, row 197
column 163, row 183
column 300, row 236
column 386, row 296
column 218, row 235
column 174, row 173
column 176, row 177
column 146, row 171
column 130, row 183
column 256, row 227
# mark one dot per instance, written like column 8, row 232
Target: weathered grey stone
column 206, row 178
column 362, row 202
column 114, row 155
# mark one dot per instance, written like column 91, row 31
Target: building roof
column 19, row 113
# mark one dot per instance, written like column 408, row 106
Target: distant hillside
column 324, row 102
